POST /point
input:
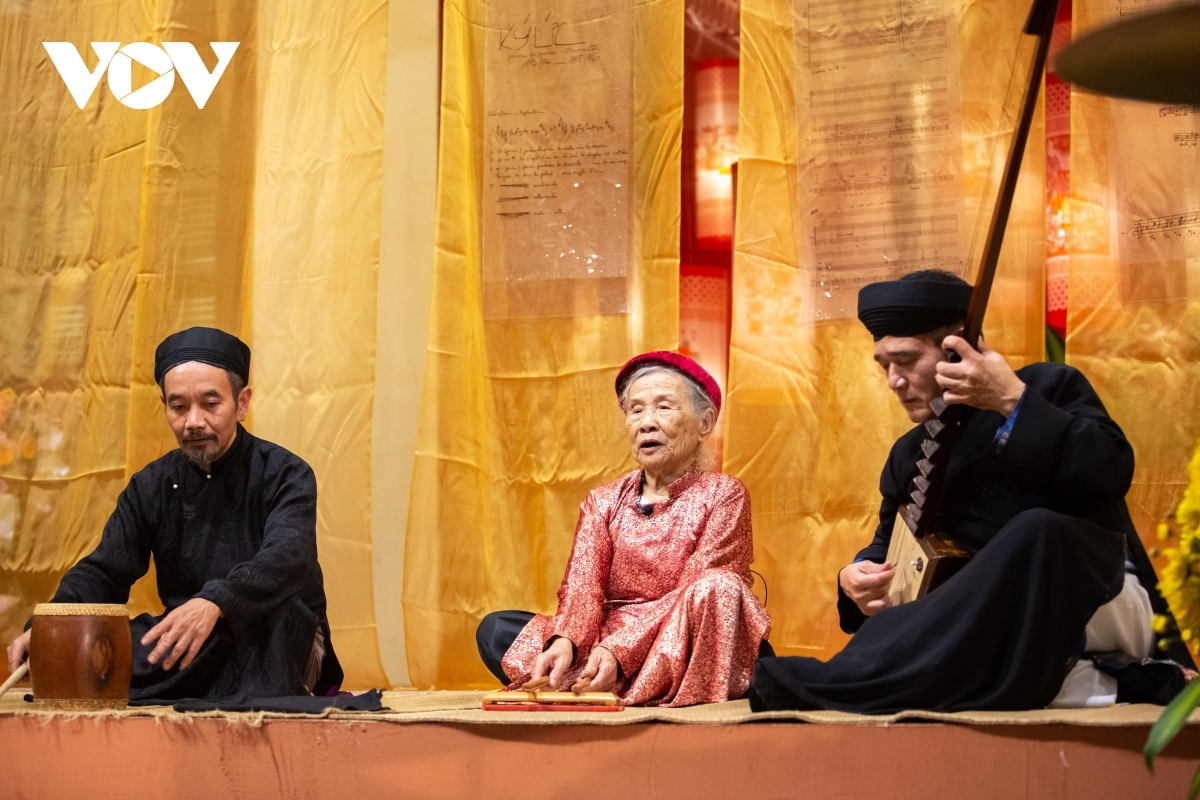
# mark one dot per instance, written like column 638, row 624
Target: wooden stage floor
column 469, row 755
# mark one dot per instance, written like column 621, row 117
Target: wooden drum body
column 80, row 656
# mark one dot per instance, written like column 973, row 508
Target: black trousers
column 999, row 635
column 498, row 630
column 495, row 634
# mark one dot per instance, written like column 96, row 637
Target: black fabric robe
column 1047, row 522
column 243, row 537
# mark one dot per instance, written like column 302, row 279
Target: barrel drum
column 80, row 656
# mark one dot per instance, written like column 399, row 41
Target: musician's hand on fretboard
column 982, row 378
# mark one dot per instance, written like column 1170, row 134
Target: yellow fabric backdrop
column 258, row 214
column 810, row 419
column 519, row 421
column 1134, row 329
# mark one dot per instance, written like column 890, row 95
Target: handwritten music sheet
column 879, row 128
column 1157, row 165
column 1156, row 172
column 556, row 212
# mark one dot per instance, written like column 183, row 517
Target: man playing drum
column 231, row 522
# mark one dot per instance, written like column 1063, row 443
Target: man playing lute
column 1056, row 604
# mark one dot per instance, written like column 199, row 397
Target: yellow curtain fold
column 1133, row 318
column 310, row 291
column 258, row 214
column 519, row 420
column 68, row 266
column 810, row 419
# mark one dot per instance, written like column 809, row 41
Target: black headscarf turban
column 206, row 345
column 915, row 304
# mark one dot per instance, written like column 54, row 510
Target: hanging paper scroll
column 558, row 105
column 1157, row 221
column 1131, row 320
column 879, row 130
column 1156, row 165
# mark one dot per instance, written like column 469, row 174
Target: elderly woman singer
column 656, row 602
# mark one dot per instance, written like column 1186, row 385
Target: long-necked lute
column 923, row 554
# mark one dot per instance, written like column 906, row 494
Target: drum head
column 81, row 610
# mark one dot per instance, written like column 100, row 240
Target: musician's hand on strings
column 866, row 583
column 554, row 661
column 182, row 633
column 18, row 651
column 601, row 670
column 983, row 379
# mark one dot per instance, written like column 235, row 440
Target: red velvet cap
column 675, row 361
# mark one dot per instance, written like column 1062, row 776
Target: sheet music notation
column 881, row 185
column 1165, row 225
column 1178, row 111
column 557, row 142
column 1154, row 171
column 899, row 27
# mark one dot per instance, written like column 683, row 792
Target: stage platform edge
column 264, row 756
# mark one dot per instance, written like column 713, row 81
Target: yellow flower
column 1180, row 580
column 1160, row 623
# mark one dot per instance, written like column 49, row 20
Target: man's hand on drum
column 554, row 661
column 17, row 651
column 866, row 583
column 182, row 633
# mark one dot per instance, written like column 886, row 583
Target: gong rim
column 1153, row 56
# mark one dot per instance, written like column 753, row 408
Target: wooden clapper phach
column 925, row 556
column 530, row 697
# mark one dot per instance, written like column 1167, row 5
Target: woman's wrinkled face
column 664, row 430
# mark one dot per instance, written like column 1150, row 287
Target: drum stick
column 581, row 686
column 21, row 672
column 533, row 686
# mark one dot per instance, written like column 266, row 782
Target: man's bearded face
column 910, row 364
column 202, row 411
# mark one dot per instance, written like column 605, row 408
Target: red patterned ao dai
column 669, row 594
